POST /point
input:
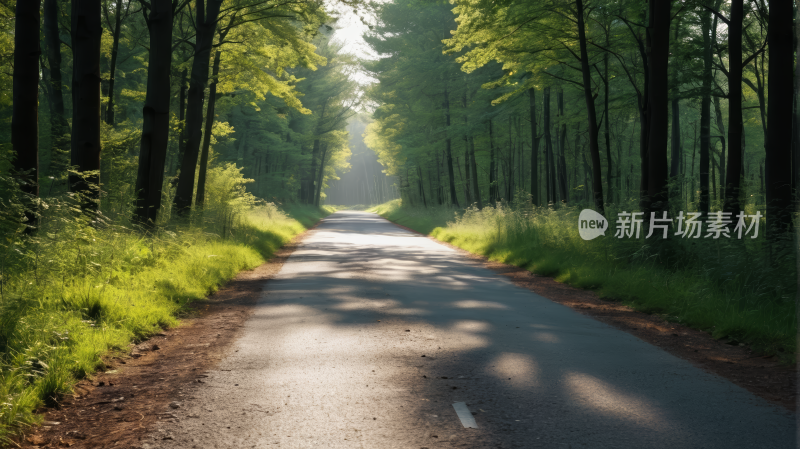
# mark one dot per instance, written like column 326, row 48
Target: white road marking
column 467, row 420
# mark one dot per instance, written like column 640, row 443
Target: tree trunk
column 59, row 127
column 448, row 152
column 468, row 174
column 212, row 101
column 796, row 123
column 548, row 147
column 607, row 123
column 732, row 178
column 182, row 117
column 722, row 137
column 779, row 116
column 475, row 187
column 206, row 24
column 422, row 187
column 155, row 114
column 492, row 172
column 707, row 26
column 307, row 198
column 510, row 166
column 534, row 150
column 562, row 164
column 467, row 164
column 594, row 149
column 25, row 112
column 114, row 52
column 675, row 140
column 86, row 38
column 318, row 191
column 657, row 193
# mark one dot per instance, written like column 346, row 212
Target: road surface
column 370, row 334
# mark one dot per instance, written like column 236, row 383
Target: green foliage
column 74, row 291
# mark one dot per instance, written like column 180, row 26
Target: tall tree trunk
column 422, row 187
column 114, row 51
column 312, row 174
column 467, row 162
column 779, row 117
column 732, row 178
column 475, row 186
column 722, row 140
column 607, row 122
column 657, row 193
column 492, row 172
column 212, row 102
column 59, row 127
column 448, row 150
column 307, row 192
column 86, row 38
column 796, row 124
column 510, row 166
column 709, row 37
column 594, row 148
column 155, row 114
column 468, row 174
column 534, row 150
column 318, row 191
column 25, row 112
column 182, row 118
column 206, row 25
column 676, row 145
column 548, row 146
column 562, row 164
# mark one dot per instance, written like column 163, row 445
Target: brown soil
column 115, row 408
column 764, row 376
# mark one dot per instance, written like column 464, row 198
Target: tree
column 779, row 112
column 86, row 38
column 25, row 118
column 155, row 114
column 658, row 106
column 279, row 15
column 59, row 127
column 122, row 11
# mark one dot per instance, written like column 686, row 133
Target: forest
column 666, row 104
column 152, row 149
column 672, row 123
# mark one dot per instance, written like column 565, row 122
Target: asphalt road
column 370, row 333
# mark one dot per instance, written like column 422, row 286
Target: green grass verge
column 87, row 293
column 732, row 289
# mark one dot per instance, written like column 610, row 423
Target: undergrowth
column 81, row 288
column 742, row 290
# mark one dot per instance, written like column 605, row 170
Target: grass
column 736, row 289
column 78, row 294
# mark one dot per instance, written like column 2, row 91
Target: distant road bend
column 370, row 334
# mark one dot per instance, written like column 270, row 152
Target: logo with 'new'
column 591, row 224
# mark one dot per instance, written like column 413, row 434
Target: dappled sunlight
column 545, row 337
column 604, row 398
column 474, row 304
column 366, row 319
column 520, row 370
column 366, row 305
column 471, row 326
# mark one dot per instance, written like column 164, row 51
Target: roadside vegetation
column 145, row 162
column 81, row 289
column 739, row 290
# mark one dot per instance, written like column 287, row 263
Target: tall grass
column 80, row 289
column 740, row 289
